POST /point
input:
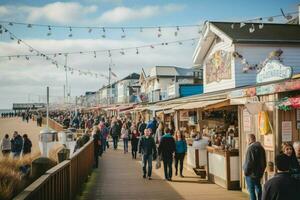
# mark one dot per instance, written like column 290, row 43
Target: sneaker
column 149, row 178
column 181, row 176
column 175, row 173
column 144, row 176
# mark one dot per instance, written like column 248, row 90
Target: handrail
column 64, row 180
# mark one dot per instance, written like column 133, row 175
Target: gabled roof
column 269, row 33
column 170, row 71
column 131, row 76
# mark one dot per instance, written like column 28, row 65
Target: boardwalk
column 120, row 177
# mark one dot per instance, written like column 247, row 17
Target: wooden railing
column 64, row 181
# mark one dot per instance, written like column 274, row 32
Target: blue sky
column 20, row 78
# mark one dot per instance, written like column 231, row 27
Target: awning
column 166, row 107
column 199, row 104
column 125, row 108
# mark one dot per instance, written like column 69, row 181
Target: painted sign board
column 286, row 131
column 273, row 71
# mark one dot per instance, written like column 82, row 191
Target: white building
column 125, row 90
column 232, row 53
column 162, row 82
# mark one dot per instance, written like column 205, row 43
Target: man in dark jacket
column 16, row 144
column 27, row 145
column 141, row 128
column 254, row 167
column 115, row 133
column 148, row 149
column 282, row 186
column 166, row 149
column 153, row 125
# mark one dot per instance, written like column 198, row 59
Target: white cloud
column 59, row 12
column 3, row 11
column 122, row 14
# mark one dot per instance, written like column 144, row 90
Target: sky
column 25, row 81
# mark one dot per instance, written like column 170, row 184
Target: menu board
column 286, row 130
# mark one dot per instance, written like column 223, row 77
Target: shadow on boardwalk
column 120, row 177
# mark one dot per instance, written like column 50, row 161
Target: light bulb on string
column 70, row 35
column 252, row 28
column 95, row 54
column 123, row 33
column 103, row 33
column 159, row 32
column 90, row 30
column 49, row 31
column 29, row 26
column 137, row 51
column 122, row 52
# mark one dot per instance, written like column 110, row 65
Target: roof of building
column 268, row 33
column 170, row 71
column 131, row 76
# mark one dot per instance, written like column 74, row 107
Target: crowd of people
column 9, row 114
column 285, row 182
column 17, row 145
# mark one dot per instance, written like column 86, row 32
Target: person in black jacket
column 148, row 149
column 115, row 133
column 27, row 145
column 254, row 167
column 282, row 186
column 166, row 149
column 141, row 127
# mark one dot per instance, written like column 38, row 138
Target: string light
column 38, row 53
column 119, row 50
column 103, row 32
column 159, row 32
column 49, row 31
column 123, row 34
column 70, row 35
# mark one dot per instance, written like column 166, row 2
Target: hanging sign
column 184, row 115
column 246, row 121
column 268, row 142
column 286, row 127
column 273, row 71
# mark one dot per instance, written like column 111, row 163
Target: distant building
column 231, row 54
column 163, row 82
column 126, row 90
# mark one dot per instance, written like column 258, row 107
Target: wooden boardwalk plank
column 120, row 177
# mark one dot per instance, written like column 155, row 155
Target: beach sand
column 9, row 125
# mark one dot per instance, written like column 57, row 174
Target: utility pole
column 67, row 86
column 109, row 81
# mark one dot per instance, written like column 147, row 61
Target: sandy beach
column 9, row 125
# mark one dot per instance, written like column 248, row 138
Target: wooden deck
column 120, row 177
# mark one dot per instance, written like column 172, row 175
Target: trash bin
column 63, row 154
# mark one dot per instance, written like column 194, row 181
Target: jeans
column 168, row 167
column 179, row 157
column 147, row 159
column 115, row 140
column 253, row 185
column 125, row 141
column 104, row 144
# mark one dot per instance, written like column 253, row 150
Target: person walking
column 134, row 142
column 148, row 149
column 159, row 133
column 114, row 132
column 281, row 186
column 16, row 145
column 97, row 145
column 27, row 145
column 5, row 146
column 104, row 132
column 254, row 167
column 142, row 127
column 125, row 137
column 166, row 149
column 181, row 148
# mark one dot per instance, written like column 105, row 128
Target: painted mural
column 218, row 67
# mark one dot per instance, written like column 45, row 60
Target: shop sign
column 268, row 142
column 184, row 116
column 286, row 131
column 218, row 67
column 265, row 89
column 246, row 121
column 273, row 71
column 236, row 94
